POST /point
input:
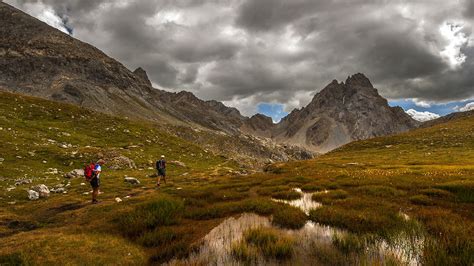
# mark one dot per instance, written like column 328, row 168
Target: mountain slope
column 416, row 185
column 39, row 60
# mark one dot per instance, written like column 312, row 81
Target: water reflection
column 305, row 203
column 215, row 248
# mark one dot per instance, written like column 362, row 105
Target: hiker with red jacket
column 161, row 168
column 92, row 174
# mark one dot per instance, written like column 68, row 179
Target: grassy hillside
column 427, row 174
column 418, row 183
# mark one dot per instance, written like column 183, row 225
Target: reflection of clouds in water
column 216, row 246
column 305, row 203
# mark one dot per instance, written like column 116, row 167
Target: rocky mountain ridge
column 338, row 114
column 39, row 60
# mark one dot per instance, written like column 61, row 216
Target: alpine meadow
column 248, row 132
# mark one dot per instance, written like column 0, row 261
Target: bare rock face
column 141, row 73
column 338, row 114
column 260, row 125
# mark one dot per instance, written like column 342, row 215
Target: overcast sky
column 260, row 55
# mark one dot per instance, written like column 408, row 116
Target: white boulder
column 131, row 180
column 75, row 173
column 33, row 195
column 42, row 190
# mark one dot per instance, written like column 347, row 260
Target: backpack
column 160, row 164
column 89, row 171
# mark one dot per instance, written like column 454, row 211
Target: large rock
column 33, row 195
column 75, row 173
column 131, row 180
column 42, row 190
column 121, row 162
column 22, row 182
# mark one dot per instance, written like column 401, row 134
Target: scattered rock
column 58, row 190
column 83, row 184
column 131, row 180
column 2, row 160
column 45, row 161
column 10, row 188
column 75, row 173
column 121, row 162
column 22, row 182
column 178, row 163
column 118, row 200
column 31, row 153
column 52, row 171
column 33, row 195
column 42, row 189
column 85, row 193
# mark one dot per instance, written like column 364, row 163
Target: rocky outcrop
column 42, row 190
column 259, row 125
column 340, row 113
column 141, row 73
column 75, row 173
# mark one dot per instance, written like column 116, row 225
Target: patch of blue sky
column 441, row 108
column 274, row 110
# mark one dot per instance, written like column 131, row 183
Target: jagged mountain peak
column 340, row 113
column 358, row 80
column 141, row 73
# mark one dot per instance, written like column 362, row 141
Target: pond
column 216, row 247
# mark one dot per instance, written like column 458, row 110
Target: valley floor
column 419, row 185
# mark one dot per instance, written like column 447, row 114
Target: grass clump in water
column 349, row 243
column 265, row 241
column 160, row 212
column 290, row 217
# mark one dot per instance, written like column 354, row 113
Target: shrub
column 242, row 252
column 364, row 220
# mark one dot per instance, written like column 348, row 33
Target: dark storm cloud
column 248, row 51
column 469, row 12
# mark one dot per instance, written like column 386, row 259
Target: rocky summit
column 340, row 113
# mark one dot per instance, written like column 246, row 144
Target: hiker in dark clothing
column 161, row 168
column 95, row 181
